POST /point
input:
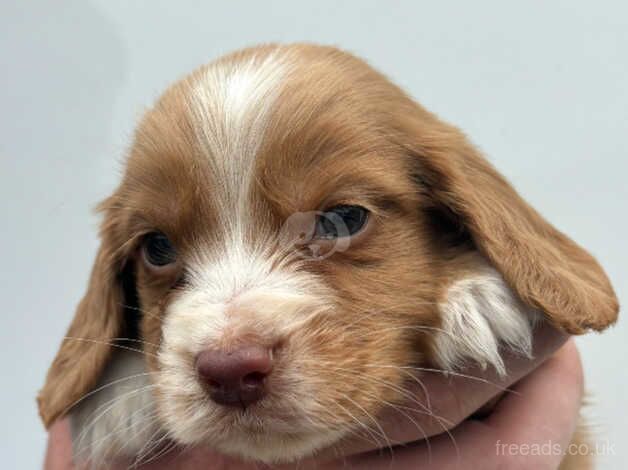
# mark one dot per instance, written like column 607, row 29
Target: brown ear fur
column 545, row 268
column 86, row 349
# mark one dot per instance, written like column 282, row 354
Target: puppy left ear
column 85, row 350
column 546, row 269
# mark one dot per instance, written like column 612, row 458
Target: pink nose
column 235, row 378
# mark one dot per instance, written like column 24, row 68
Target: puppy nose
column 235, row 378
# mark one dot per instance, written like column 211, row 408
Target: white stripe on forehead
column 231, row 101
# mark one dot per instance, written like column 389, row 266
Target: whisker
column 150, row 420
column 377, row 425
column 165, row 451
column 120, row 428
column 109, row 405
column 370, row 313
column 498, row 386
column 420, row 328
column 369, row 431
column 150, row 445
column 109, row 384
column 141, row 310
column 403, row 392
column 136, row 340
column 400, row 409
column 501, row 388
column 444, row 423
column 107, row 343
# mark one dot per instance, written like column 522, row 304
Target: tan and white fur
column 451, row 267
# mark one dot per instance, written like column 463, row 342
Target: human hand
column 441, row 438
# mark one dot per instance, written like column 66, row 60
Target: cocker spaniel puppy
column 294, row 234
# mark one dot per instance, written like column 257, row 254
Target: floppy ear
column 86, row 348
column 545, row 268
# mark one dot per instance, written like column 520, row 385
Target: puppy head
column 293, row 232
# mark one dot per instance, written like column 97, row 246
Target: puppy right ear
column 547, row 270
column 99, row 319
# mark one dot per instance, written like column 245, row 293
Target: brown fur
column 339, row 133
column 98, row 319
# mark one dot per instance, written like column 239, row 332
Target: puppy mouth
column 248, row 412
column 268, row 419
column 263, row 432
column 269, row 439
column 253, row 421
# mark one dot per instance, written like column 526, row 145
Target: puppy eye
column 340, row 221
column 157, row 250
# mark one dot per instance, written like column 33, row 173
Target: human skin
column 540, row 401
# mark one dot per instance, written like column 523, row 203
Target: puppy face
column 297, row 234
column 253, row 203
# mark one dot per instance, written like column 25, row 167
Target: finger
column 200, row 458
column 59, row 452
column 442, row 401
column 546, row 410
column 458, row 396
column 522, row 422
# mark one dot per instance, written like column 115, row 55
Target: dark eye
column 158, row 251
column 340, row 221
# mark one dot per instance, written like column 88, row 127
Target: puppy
column 292, row 234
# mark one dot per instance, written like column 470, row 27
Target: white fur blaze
column 231, row 103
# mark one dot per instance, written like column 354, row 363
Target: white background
column 540, row 86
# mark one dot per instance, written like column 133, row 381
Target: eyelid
column 375, row 211
column 329, row 207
